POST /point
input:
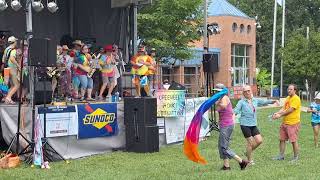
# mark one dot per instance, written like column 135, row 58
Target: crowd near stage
column 83, row 129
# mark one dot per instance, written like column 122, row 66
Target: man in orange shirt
column 141, row 66
column 290, row 126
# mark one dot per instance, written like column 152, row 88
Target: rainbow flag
column 191, row 140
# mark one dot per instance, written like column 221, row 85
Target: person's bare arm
column 281, row 113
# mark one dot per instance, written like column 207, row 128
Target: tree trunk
column 313, row 88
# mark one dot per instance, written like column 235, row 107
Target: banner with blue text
column 97, row 120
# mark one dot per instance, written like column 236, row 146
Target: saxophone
column 91, row 64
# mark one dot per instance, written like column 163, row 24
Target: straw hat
column 77, row 42
column 65, row 47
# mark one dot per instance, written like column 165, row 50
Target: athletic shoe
column 243, row 164
column 225, row 168
column 278, row 158
column 294, row 159
column 251, row 163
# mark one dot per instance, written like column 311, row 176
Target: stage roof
column 94, row 19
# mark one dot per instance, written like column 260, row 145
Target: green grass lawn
column 170, row 163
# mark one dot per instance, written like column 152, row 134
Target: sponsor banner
column 97, row 120
column 60, row 120
column 176, row 127
column 171, row 103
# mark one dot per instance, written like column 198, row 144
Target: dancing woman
column 226, row 124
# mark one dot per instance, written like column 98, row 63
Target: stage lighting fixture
column 3, row 5
column 16, row 5
column 37, row 6
column 52, row 6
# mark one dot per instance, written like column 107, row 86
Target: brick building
column 235, row 47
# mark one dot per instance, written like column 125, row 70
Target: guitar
column 55, row 71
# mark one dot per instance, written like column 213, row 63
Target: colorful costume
column 139, row 72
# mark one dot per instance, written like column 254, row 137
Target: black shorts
column 249, row 131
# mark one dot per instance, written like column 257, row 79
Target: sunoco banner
column 97, row 120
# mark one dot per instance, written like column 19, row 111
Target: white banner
column 177, row 127
column 60, row 120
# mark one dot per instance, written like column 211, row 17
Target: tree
column 170, row 26
column 302, row 60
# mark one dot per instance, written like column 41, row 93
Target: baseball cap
column 12, row 39
column 219, row 87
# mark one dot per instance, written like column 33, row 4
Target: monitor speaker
column 210, row 63
column 141, row 111
column 142, row 139
column 43, row 92
column 42, row 52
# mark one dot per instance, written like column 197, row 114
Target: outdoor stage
column 68, row 132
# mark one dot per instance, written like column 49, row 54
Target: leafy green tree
column 170, row 26
column 302, row 59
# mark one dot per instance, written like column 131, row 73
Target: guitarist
column 141, row 66
column 64, row 63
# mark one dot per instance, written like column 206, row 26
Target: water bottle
column 96, row 95
column 117, row 96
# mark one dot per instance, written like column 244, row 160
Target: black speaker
column 42, row 92
column 42, row 52
column 210, row 63
column 141, row 111
column 142, row 139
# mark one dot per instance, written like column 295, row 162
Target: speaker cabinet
column 42, row 52
column 142, row 139
column 43, row 92
column 141, row 111
column 210, row 63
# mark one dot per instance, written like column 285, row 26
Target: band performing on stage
column 82, row 73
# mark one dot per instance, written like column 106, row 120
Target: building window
column 241, row 28
column 234, row 27
column 248, row 29
column 240, row 64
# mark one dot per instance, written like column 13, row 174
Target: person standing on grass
column 247, row 108
column 290, row 126
column 226, row 124
column 315, row 118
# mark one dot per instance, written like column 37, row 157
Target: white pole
column 28, row 17
column 205, row 30
column 135, row 28
column 273, row 45
column 282, row 43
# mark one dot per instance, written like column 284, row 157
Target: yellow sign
column 99, row 118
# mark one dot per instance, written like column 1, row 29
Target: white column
column 273, row 45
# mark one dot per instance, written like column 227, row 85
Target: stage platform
column 69, row 146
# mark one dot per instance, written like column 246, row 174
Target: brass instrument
column 92, row 65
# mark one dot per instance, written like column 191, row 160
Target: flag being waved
column 191, row 140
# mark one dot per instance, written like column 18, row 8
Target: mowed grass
column 170, row 163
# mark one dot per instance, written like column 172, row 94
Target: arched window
column 234, row 27
column 248, row 29
column 241, row 28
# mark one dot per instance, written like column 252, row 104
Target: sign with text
column 171, row 103
column 177, row 127
column 97, row 120
column 60, row 120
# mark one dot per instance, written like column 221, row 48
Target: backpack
column 7, row 56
